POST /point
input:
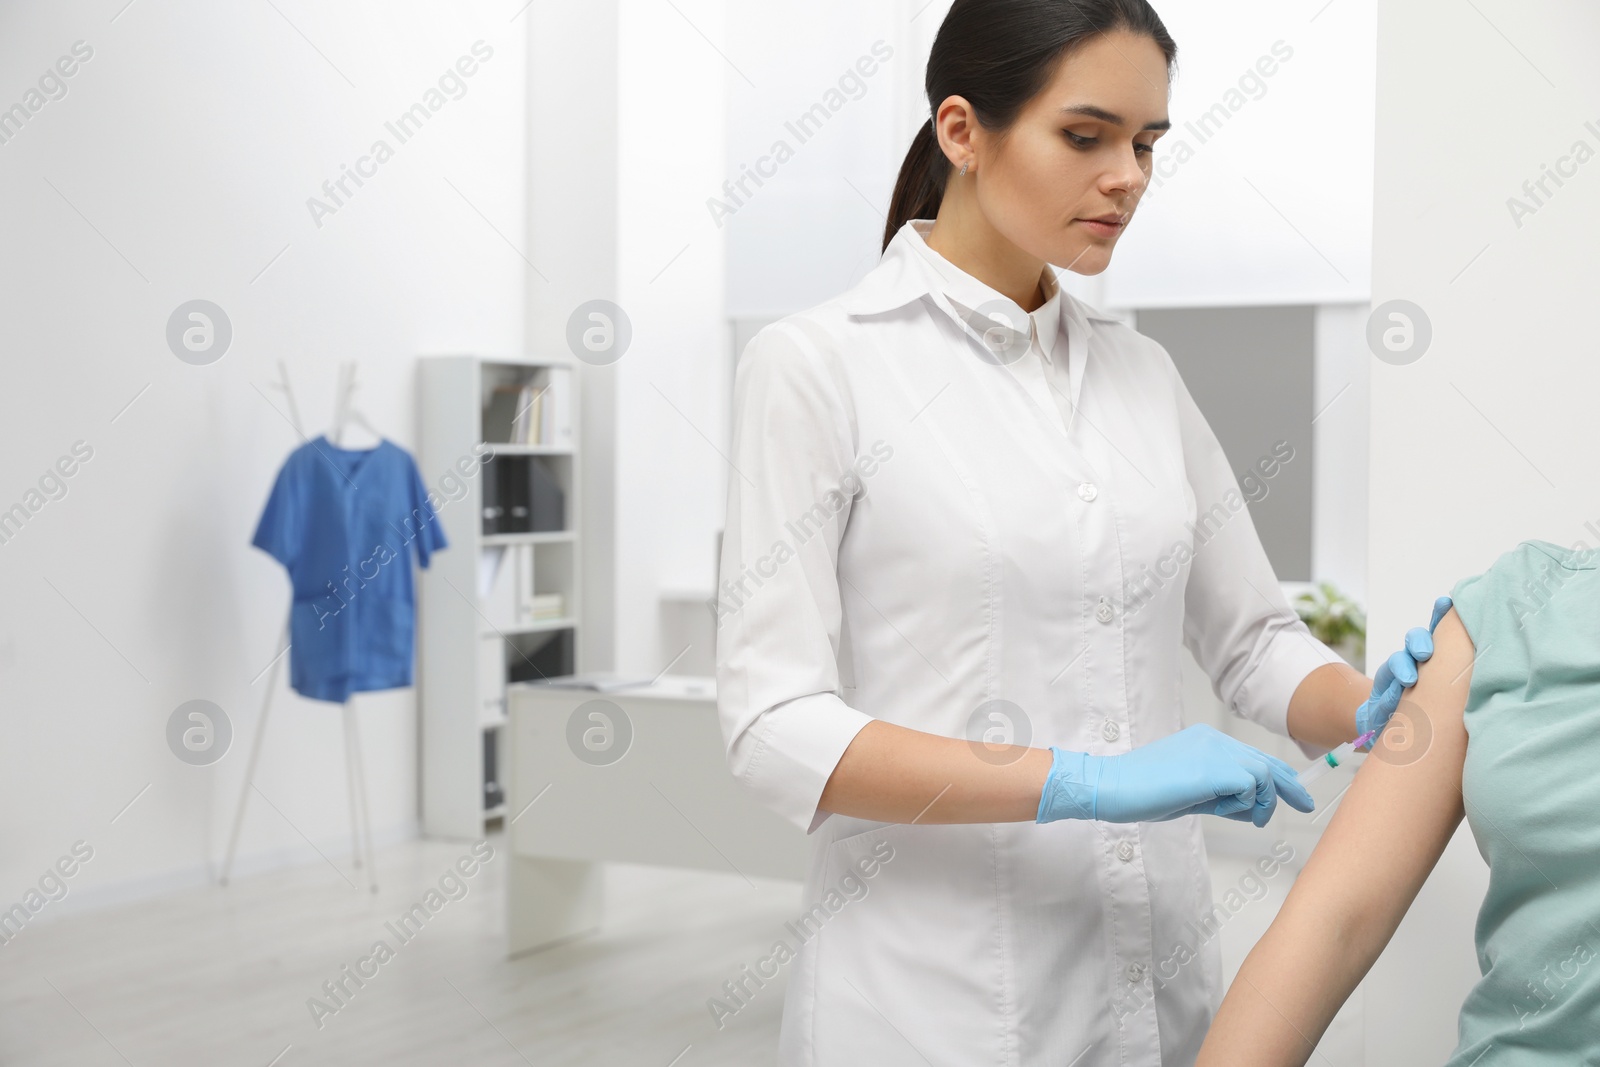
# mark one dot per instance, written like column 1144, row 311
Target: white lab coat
column 910, row 534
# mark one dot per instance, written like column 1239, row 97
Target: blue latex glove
column 1197, row 771
column 1398, row 673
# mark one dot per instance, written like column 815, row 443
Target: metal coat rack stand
column 355, row 768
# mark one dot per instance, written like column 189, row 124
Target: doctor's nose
column 1125, row 182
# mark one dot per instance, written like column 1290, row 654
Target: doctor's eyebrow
column 1090, row 111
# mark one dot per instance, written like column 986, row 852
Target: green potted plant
column 1336, row 621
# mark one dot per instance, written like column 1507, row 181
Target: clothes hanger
column 354, row 765
column 282, row 385
column 346, row 414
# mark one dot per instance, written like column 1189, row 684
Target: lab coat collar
column 899, row 279
column 986, row 309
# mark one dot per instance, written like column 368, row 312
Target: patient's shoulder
column 1519, row 585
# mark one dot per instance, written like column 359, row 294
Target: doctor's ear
column 956, row 128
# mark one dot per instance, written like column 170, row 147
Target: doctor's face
column 1080, row 150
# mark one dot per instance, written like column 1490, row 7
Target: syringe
column 1334, row 758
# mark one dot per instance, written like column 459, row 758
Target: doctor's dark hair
column 999, row 54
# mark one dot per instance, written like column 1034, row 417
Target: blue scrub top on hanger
column 344, row 523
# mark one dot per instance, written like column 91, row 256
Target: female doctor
column 970, row 514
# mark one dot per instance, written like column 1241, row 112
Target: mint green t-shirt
column 1532, row 787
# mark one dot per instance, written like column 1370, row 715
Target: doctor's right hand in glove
column 1196, row 771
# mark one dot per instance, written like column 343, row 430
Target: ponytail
column 920, row 188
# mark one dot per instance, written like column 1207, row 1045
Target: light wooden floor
column 220, row 977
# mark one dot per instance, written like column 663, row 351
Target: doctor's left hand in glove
column 1398, row 673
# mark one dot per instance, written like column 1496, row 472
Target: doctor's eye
column 1079, row 141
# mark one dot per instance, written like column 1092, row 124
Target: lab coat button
column 1125, row 851
column 1110, row 731
column 1087, row 491
column 1135, row 972
column 1103, row 611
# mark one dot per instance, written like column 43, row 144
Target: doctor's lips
column 1105, row 225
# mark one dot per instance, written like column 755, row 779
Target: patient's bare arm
column 1377, row 851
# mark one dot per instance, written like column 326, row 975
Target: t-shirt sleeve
column 430, row 531
column 1492, row 606
column 1503, row 609
column 1466, row 596
column 1503, row 592
column 281, row 530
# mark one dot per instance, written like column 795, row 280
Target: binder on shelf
column 493, row 793
column 547, row 508
column 506, row 487
column 524, row 429
column 500, row 416
column 556, row 411
column 523, row 495
column 500, row 496
column 534, row 412
column 552, row 659
column 494, row 512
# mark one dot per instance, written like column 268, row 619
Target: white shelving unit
column 476, row 635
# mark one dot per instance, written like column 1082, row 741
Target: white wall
column 671, row 393
column 708, row 91
column 178, row 166
column 1486, row 440
column 1262, row 192
column 573, row 221
column 824, row 208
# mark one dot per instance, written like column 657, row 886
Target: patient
column 1511, row 699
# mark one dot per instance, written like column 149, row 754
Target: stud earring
column 964, row 167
